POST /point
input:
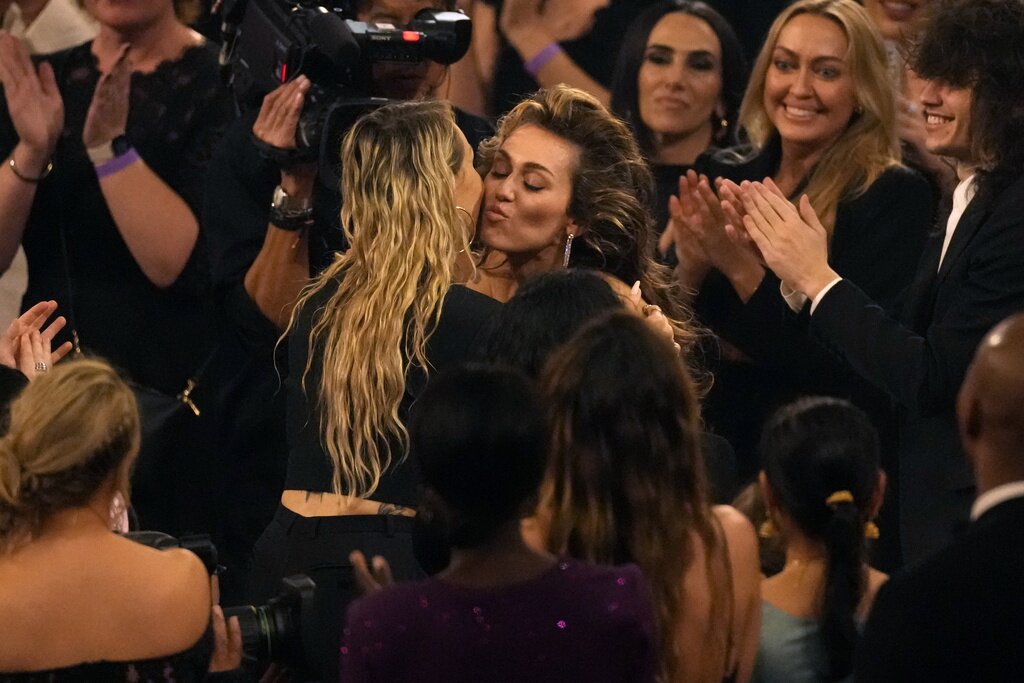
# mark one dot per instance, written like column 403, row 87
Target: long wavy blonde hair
column 869, row 145
column 399, row 217
column 626, row 479
column 70, row 431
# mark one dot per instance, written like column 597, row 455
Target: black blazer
column 920, row 357
column 959, row 616
column 877, row 242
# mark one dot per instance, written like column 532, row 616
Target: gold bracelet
column 29, row 179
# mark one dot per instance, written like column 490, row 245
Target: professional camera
column 268, row 42
column 281, row 631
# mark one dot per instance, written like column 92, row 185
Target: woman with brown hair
column 565, row 185
column 88, row 604
column 626, row 482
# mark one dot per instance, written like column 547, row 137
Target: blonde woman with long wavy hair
column 820, row 116
column 364, row 337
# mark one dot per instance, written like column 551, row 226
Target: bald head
column 991, row 403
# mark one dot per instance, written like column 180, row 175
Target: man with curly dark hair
column 971, row 274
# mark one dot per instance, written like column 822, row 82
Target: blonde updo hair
column 70, row 431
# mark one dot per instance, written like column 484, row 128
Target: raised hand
column 108, row 111
column 17, row 342
column 559, row 20
column 371, row 580
column 792, row 240
column 34, row 103
column 276, row 124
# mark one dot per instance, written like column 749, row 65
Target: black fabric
column 877, row 242
column 957, row 616
column 464, row 317
column 596, row 53
column 920, row 357
column 184, row 667
column 319, row 547
column 177, row 113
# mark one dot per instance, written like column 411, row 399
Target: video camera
column 269, row 42
column 282, row 631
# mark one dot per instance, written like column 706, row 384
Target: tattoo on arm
column 389, row 509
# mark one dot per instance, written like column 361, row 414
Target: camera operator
column 259, row 265
column 89, row 604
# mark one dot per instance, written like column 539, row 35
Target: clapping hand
column 556, row 20
column 791, row 239
column 26, row 346
column 33, row 102
column 371, row 580
column 108, row 112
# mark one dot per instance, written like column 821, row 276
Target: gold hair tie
column 839, row 497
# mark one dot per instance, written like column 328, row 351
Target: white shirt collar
column 962, row 196
column 993, row 497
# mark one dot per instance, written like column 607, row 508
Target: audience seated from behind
column 959, row 615
column 823, row 488
column 88, row 604
column 501, row 610
column 678, row 84
column 626, row 482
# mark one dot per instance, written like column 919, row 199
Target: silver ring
column 41, row 366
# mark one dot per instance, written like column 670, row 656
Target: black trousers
column 319, row 547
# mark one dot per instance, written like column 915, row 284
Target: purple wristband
column 117, row 164
column 541, row 59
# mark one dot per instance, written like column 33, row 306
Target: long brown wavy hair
column 869, row 145
column 70, row 432
column 612, row 187
column 626, row 480
column 399, row 217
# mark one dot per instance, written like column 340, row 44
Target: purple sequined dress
column 575, row 622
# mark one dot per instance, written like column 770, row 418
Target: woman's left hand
column 15, row 353
column 792, row 240
column 108, row 112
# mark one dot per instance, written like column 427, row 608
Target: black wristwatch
column 103, row 153
column 290, row 213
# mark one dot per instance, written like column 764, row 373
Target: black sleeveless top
column 464, row 317
column 183, row 667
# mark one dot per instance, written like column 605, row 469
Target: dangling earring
column 871, row 531
column 768, row 529
column 568, row 250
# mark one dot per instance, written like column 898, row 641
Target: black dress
column 877, row 242
column 177, row 113
column 319, row 546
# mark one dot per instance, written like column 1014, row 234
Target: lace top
column 177, row 114
column 182, row 667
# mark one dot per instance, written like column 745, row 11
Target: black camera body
column 269, row 42
column 282, row 631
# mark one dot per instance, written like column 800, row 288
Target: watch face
column 120, row 145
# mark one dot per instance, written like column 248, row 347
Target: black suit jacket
column 920, row 358
column 959, row 616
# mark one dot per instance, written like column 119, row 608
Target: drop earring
column 568, row 250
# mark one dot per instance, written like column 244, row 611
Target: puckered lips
column 900, row 10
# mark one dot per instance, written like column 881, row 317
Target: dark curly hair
column 979, row 44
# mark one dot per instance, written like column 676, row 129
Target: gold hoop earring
column 468, row 215
column 568, row 250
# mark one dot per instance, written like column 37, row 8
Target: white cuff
column 823, row 292
column 794, row 299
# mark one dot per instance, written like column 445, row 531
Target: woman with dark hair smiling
column 678, row 84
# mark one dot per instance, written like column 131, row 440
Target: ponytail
column 844, row 583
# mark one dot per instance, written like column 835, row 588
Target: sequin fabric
column 575, row 622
